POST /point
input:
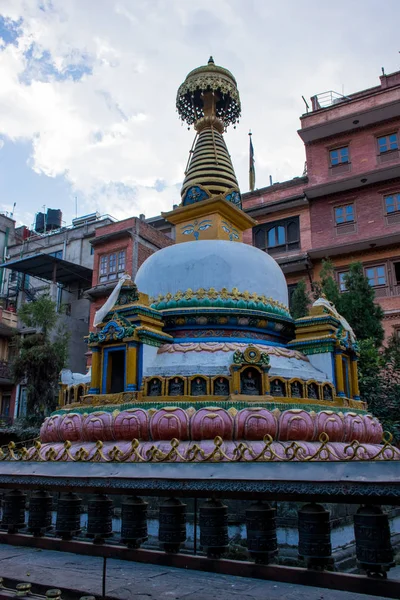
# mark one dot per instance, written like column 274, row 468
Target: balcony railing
column 82, row 520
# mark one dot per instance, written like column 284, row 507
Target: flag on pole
column 252, row 171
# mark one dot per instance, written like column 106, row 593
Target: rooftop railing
column 326, row 99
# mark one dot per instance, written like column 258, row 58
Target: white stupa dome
column 212, row 264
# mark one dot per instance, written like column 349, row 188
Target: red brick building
column 347, row 207
column 119, row 248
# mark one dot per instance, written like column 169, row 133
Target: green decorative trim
column 134, row 310
column 116, row 329
column 148, row 339
column 310, row 350
column 309, row 321
column 251, row 356
column 313, row 346
column 127, row 295
column 227, row 404
column 220, row 299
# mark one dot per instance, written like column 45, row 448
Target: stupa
column 210, row 363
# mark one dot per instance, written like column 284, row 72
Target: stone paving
column 137, row 581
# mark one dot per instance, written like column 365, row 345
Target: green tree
column 358, row 307
column 300, row 302
column 40, row 357
column 391, row 352
column 329, row 286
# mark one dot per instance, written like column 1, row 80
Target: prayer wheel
column 172, row 531
column 373, row 546
column 23, row 589
column 40, row 505
column 261, row 532
column 14, row 511
column 214, row 528
column 315, row 536
column 54, row 593
column 69, row 508
column 100, row 512
column 134, row 522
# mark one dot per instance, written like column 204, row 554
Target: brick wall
column 369, row 216
column 155, row 237
column 273, row 193
column 363, row 153
column 361, row 101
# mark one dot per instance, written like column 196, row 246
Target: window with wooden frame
column 112, row 266
column 339, row 160
column 392, row 203
column 344, row 218
column 339, row 156
column 376, row 275
column 392, row 208
column 341, row 280
column 278, row 236
column 388, row 147
column 396, row 276
column 387, row 143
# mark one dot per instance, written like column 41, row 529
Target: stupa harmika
column 199, row 358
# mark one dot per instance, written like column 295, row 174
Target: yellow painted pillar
column 267, row 383
column 131, row 367
column 61, row 395
column 235, row 370
column 96, row 371
column 355, row 390
column 339, row 375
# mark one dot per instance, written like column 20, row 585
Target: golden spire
column 209, row 99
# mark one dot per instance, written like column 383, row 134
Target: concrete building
column 58, row 262
column 347, row 206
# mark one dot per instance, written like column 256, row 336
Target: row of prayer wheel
column 371, row 527
column 24, row 590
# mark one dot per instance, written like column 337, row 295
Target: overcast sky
column 88, row 88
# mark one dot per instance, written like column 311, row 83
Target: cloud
column 92, row 85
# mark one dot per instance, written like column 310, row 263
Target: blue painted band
column 140, row 366
column 228, row 326
column 341, row 395
column 94, row 391
column 227, row 339
column 131, row 387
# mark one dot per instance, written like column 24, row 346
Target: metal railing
column 325, row 99
column 57, row 523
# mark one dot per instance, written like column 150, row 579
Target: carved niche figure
column 250, row 382
column 154, row 388
column 221, row 387
column 328, row 392
column 312, row 391
column 296, row 389
column 277, row 388
column 176, row 387
column 198, row 387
